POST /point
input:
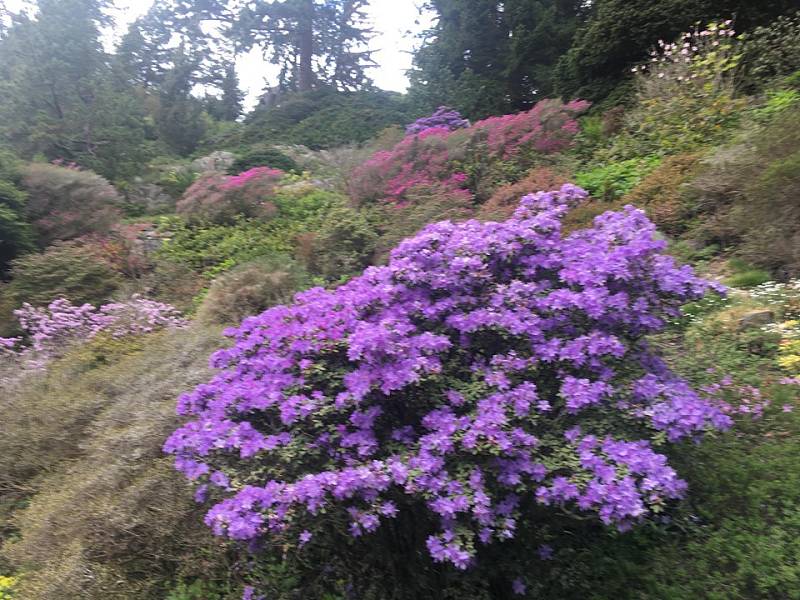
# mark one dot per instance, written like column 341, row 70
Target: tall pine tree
column 488, row 56
column 60, row 97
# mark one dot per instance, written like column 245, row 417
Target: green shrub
column 16, row 235
column 198, row 590
column 302, row 202
column 772, row 51
column 263, row 156
column 175, row 180
column 66, row 203
column 325, row 118
column 749, row 278
column 342, row 247
column 777, row 101
column 213, row 249
column 66, row 269
column 251, row 288
column 612, row 181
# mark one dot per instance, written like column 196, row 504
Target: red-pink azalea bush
column 219, row 198
column 453, row 160
column 490, row 373
column 48, row 332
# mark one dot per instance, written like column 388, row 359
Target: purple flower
column 444, row 118
column 518, row 586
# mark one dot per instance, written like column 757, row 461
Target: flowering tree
column 444, row 117
column 488, row 368
column 220, row 198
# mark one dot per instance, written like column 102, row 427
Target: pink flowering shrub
column 219, row 198
column 49, row 331
column 547, row 128
column 455, row 160
column 489, row 373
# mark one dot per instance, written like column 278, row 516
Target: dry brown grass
column 106, row 516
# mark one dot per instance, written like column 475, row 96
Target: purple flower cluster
column 445, row 118
column 51, row 330
column 488, row 366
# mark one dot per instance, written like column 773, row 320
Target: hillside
column 339, row 350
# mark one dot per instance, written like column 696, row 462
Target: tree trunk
column 306, row 33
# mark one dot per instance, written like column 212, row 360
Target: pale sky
column 395, row 23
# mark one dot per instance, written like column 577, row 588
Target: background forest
column 147, row 220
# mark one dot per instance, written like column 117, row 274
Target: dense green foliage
column 324, row 118
column 16, row 234
column 263, row 156
column 619, row 33
column 66, row 269
column 507, row 67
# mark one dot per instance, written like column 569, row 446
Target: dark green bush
column 16, row 234
column 263, row 156
column 325, row 118
column 772, row 52
column 66, row 269
column 619, row 33
column 343, row 246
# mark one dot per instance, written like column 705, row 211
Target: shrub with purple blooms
column 444, row 118
column 488, row 369
column 50, row 331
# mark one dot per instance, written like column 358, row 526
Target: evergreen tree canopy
column 618, row 33
column 507, row 67
column 60, row 97
column 313, row 41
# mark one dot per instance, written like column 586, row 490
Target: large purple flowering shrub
column 487, row 368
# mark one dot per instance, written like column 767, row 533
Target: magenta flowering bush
column 452, row 159
column 49, row 331
column 444, row 117
column 548, row 127
column 489, row 367
column 220, row 198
